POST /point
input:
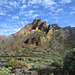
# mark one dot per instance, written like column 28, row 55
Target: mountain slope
column 39, row 39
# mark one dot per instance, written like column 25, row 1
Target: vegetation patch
column 69, row 61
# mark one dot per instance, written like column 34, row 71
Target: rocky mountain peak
column 49, row 27
column 37, row 22
column 55, row 26
column 38, row 25
column 45, row 23
column 34, row 20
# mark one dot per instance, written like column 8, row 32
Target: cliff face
column 38, row 33
column 37, row 25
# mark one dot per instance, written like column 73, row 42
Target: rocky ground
column 43, row 69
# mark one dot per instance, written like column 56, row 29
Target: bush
column 4, row 71
column 16, row 63
column 57, row 64
column 25, row 64
column 10, row 68
column 30, row 59
column 35, row 65
column 9, row 64
column 51, row 74
column 69, row 61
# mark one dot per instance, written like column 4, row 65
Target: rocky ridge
column 38, row 33
column 38, row 27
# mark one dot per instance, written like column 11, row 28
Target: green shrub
column 4, row 71
column 39, row 60
column 35, row 65
column 51, row 74
column 12, row 74
column 10, row 68
column 30, row 59
column 69, row 61
column 10, row 64
column 25, row 64
column 45, row 68
column 48, row 60
column 57, row 64
column 16, row 63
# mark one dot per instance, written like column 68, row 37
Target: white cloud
column 9, row 7
column 14, row 3
column 23, row 1
column 48, row 3
column 56, row 17
column 72, row 12
column 59, row 10
column 66, row 21
column 35, row 15
column 53, row 8
column 35, row 6
column 15, row 17
column 34, row 2
column 1, row 13
column 45, row 20
column 9, row 15
column 31, row 11
column 45, row 3
column 72, row 25
column 65, row 1
column 24, row 22
column 26, row 13
column 50, row 13
column 55, row 14
column 30, row 14
column 23, row 7
column 56, row 21
column 16, row 29
column 22, row 12
column 73, row 8
column 3, row 2
column 8, row 29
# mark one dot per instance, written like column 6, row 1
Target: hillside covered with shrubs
column 50, row 47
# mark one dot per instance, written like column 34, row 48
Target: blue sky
column 15, row 14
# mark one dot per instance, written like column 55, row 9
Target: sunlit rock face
column 38, row 32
